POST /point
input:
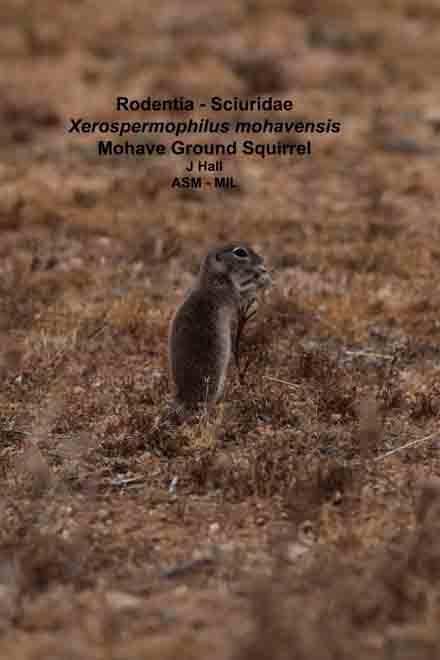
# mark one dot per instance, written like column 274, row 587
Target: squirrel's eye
column 240, row 252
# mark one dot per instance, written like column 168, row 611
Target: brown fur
column 203, row 331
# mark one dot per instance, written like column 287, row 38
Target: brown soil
column 276, row 528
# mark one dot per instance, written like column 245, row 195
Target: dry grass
column 268, row 529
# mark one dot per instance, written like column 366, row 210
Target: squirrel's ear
column 217, row 262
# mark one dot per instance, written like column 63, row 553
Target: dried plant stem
column 420, row 441
column 283, row 382
column 368, row 354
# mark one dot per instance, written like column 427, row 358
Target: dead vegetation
column 301, row 519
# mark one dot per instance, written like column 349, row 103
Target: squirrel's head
column 238, row 263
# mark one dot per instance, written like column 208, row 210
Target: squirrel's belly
column 225, row 350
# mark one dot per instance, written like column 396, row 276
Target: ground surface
column 286, row 532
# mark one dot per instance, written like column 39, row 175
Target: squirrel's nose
column 264, row 277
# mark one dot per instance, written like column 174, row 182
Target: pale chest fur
column 225, row 319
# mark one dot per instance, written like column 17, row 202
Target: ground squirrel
column 205, row 331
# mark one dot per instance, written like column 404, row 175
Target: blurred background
column 95, row 254
column 373, row 66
